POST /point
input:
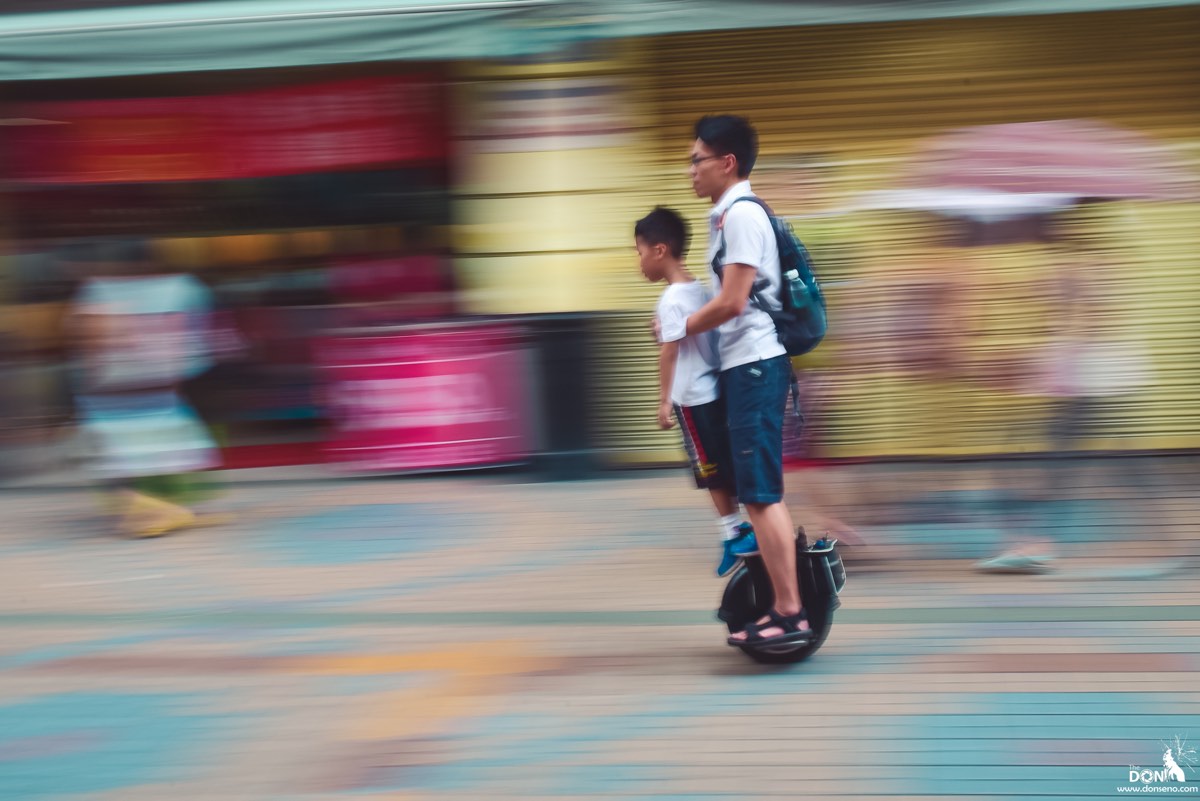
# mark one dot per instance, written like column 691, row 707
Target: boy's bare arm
column 668, row 354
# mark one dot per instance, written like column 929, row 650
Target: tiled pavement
column 480, row 637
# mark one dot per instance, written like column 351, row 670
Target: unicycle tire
column 748, row 596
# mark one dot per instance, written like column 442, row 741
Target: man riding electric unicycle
column 766, row 307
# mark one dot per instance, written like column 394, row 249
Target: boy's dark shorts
column 756, row 397
column 706, row 439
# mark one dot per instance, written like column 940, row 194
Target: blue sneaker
column 744, row 544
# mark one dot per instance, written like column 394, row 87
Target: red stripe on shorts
column 686, row 411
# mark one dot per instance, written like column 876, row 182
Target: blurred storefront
column 304, row 204
column 371, row 169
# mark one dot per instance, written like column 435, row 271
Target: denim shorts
column 755, row 398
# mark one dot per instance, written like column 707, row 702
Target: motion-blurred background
column 416, row 220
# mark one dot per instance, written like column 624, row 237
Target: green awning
column 248, row 34
column 624, row 18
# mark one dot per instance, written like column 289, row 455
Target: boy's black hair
column 664, row 227
column 726, row 134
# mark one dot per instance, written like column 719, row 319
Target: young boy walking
column 688, row 369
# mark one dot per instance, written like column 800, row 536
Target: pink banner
column 428, row 399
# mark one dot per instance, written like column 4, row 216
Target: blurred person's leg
column 150, row 447
column 144, row 514
column 1056, row 472
column 819, row 501
column 1071, row 422
column 136, row 508
column 197, row 492
column 801, row 444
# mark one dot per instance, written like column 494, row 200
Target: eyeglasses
column 697, row 160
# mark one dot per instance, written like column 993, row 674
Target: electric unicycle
column 748, row 596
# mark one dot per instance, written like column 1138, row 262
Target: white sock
column 729, row 527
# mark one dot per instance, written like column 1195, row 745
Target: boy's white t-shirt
column 698, row 364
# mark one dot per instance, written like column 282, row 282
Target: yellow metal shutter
column 847, row 104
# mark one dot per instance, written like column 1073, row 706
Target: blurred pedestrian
column 1086, row 362
column 137, row 334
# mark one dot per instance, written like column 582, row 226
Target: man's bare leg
column 777, row 543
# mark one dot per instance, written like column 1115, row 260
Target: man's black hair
column 726, row 134
column 664, row 227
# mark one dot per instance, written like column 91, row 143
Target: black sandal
column 790, row 624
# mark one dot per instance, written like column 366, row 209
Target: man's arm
column 668, row 354
column 736, row 283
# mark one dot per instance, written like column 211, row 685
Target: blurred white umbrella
column 974, row 204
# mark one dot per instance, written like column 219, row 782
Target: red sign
column 428, row 399
column 365, row 280
column 313, row 128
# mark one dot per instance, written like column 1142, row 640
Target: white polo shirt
column 750, row 240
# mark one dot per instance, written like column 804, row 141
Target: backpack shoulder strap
column 755, row 199
column 718, row 258
column 718, row 265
